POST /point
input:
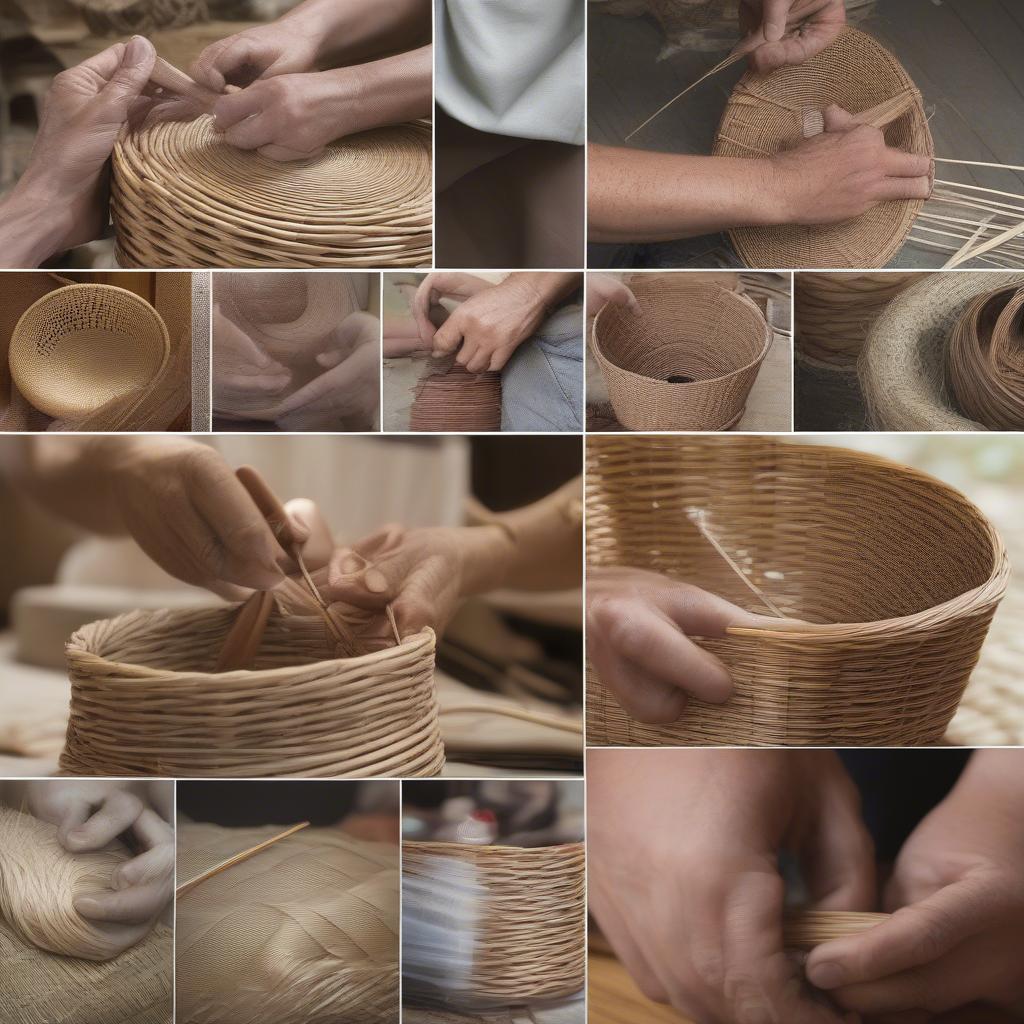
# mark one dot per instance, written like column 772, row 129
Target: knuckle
column 709, row 966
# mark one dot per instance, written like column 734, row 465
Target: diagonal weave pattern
column 893, row 575
column 182, row 197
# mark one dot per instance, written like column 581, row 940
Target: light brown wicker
column 530, row 941
column 146, row 701
column 687, row 361
column 770, row 113
column 893, row 575
column 986, row 359
column 182, row 197
column 452, row 399
column 809, row 928
column 79, row 347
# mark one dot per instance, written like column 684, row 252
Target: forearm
column 635, row 196
column 392, row 90
column 32, row 226
column 551, row 288
column 349, row 31
column 994, row 777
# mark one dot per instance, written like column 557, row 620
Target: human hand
column 246, row 381
column 682, row 852
column 782, row 32
column 637, row 641
column 442, row 284
column 286, row 46
column 603, row 288
column 844, row 172
column 957, row 898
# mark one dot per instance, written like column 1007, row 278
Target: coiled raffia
column 182, row 197
column 39, row 881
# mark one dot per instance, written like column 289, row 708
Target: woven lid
column 79, row 347
column 767, row 114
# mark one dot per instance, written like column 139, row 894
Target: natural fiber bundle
column 39, row 881
column 835, row 311
column 80, row 347
column 492, row 925
column 182, row 197
column 145, row 700
column 305, row 932
column 770, row 113
column 986, row 359
column 892, row 576
column 809, row 928
column 687, row 361
column 452, row 399
column 903, row 367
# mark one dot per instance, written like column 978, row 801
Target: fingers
column 906, row 165
column 238, row 59
column 448, row 336
column 838, row 120
column 838, row 858
column 136, row 905
column 775, row 15
column 132, row 75
column 259, row 130
column 229, row 110
column 116, row 814
column 892, row 189
column 288, row 154
column 420, row 309
column 312, row 531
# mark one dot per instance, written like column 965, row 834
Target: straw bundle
column 525, row 911
column 182, row 197
column 986, row 359
column 892, row 576
column 809, row 928
column 835, row 311
column 452, row 399
column 903, row 366
column 145, row 700
column 770, row 113
column 79, row 347
column 687, row 361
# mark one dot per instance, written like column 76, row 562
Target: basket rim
column 494, row 849
column 972, row 601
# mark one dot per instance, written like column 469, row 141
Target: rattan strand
column 809, row 928
column 707, row 334
column 894, row 575
column 146, row 701
column 986, row 359
column 182, row 197
column 82, row 346
column 766, row 114
column 531, row 943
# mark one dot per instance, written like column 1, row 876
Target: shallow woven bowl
column 896, row 575
column 145, row 700
column 182, row 197
column 531, row 940
column 687, row 361
column 81, row 346
column 765, row 115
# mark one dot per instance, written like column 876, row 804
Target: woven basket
column 146, row 701
column 687, row 361
column 79, row 347
column 769, row 113
column 896, row 575
column 531, row 940
column 182, row 197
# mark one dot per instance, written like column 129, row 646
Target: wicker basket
column 687, row 361
column 896, row 575
column 531, row 940
column 146, row 701
column 182, row 197
column 769, row 113
column 82, row 346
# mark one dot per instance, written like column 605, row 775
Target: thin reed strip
column 809, row 928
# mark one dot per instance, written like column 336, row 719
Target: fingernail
column 86, row 905
column 774, row 31
column 375, row 581
column 827, row 975
column 136, row 50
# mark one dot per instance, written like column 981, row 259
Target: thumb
column 128, row 81
column 775, row 14
column 838, row 120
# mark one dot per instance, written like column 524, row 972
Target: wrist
column 772, row 194
column 34, row 222
column 485, row 552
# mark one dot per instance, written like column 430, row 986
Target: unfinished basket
column 806, row 929
column 449, row 398
column 529, row 939
column 893, row 576
column 182, row 197
column 145, row 700
column 687, row 361
column 767, row 114
column 81, row 346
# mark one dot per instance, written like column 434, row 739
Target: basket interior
column 685, row 332
column 828, row 535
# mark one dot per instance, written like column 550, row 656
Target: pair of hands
column 684, row 881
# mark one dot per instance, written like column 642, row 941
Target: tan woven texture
column 182, row 197
column 687, row 361
column 80, row 347
column 768, row 113
column 452, row 399
column 146, row 701
column 809, row 928
column 903, row 366
column 896, row 575
column 834, row 312
column 305, row 932
column 530, row 942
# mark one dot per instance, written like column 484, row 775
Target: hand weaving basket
column 893, row 575
column 81, row 346
column 182, row 197
column 687, row 361
column 770, row 113
column 529, row 942
column 145, row 700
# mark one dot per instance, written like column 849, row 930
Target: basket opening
column 679, row 378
